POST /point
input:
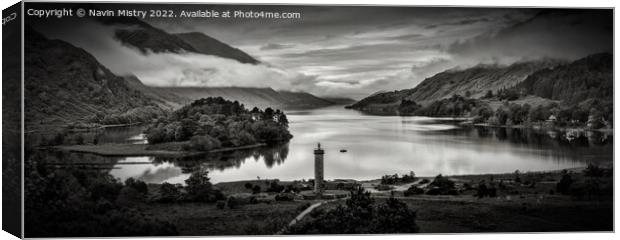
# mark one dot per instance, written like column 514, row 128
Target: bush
column 442, row 186
column 204, row 143
column 200, row 189
column 275, row 187
column 168, row 193
column 220, row 204
column 74, row 203
column 138, row 185
column 232, row 202
column 485, row 191
column 285, row 197
column 256, row 189
column 129, row 196
column 593, row 171
column 564, row 185
column 359, row 215
column 413, row 190
column 394, row 216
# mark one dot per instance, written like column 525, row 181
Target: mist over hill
column 472, row 82
column 65, row 84
column 255, row 97
column 586, row 83
column 148, row 38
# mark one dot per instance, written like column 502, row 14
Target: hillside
column 472, row 82
column 148, row 38
column 253, row 97
column 66, row 84
column 211, row 46
column 585, row 79
column 160, row 96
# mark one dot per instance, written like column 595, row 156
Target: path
column 305, row 212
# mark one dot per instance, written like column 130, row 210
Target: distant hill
column 211, row 46
column 66, row 84
column 253, row 97
column 471, row 82
column 148, row 38
column 582, row 80
column 160, row 96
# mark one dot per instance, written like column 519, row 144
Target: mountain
column 211, row 46
column 66, row 84
column 472, row 82
column 148, row 38
column 253, row 97
column 582, row 80
column 160, row 96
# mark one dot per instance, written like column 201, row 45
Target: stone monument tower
column 318, row 170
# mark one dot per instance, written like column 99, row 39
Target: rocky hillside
column 148, row 38
column 472, row 82
column 65, row 84
column 253, row 97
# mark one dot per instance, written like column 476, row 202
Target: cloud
column 563, row 34
column 172, row 69
column 458, row 23
column 355, row 51
column 276, row 46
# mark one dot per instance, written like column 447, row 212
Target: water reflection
column 167, row 169
column 376, row 145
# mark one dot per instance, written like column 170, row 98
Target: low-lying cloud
column 173, row 69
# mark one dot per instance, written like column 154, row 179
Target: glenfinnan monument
column 318, row 170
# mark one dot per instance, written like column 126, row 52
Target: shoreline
column 468, row 121
column 141, row 150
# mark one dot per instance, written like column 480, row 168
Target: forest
column 593, row 113
column 212, row 123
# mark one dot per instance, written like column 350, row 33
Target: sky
column 341, row 51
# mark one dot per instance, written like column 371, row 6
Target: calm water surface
column 376, row 145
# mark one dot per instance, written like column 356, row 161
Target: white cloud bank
column 172, row 69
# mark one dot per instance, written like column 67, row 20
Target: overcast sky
column 356, row 51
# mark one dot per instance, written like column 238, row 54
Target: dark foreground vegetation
column 213, row 123
column 360, row 214
column 63, row 202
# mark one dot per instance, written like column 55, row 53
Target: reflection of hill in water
column 160, row 169
column 578, row 145
column 529, row 136
column 274, row 155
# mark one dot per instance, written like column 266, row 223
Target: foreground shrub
column 199, row 188
column 565, row 183
column 442, row 186
column 359, row 215
column 413, row 190
column 74, row 203
column 169, row 193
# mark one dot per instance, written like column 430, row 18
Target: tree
column 168, row 193
column 394, row 216
column 489, row 94
column 360, row 214
column 199, row 188
column 564, row 185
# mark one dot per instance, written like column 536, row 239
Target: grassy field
column 197, row 219
column 517, row 207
